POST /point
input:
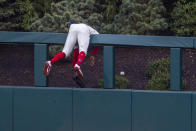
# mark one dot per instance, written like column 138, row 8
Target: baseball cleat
column 47, row 68
column 79, row 81
column 78, row 71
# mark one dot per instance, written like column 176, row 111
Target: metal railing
column 42, row 40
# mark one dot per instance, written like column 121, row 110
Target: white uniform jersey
column 78, row 33
column 92, row 31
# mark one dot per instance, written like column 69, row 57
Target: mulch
column 17, row 67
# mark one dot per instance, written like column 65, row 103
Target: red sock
column 75, row 56
column 58, row 57
column 81, row 57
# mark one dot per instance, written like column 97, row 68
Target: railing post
column 176, row 69
column 109, row 67
column 40, row 56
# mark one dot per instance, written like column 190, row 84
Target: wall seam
column 12, row 95
column 132, row 110
column 191, row 111
column 72, row 109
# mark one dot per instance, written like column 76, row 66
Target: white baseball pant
column 78, row 33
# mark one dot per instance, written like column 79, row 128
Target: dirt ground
column 17, row 67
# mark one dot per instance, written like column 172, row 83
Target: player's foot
column 78, row 71
column 79, row 81
column 47, row 68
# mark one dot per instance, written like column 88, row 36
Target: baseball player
column 78, row 39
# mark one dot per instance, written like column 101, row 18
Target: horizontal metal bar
column 101, row 39
column 144, row 41
column 32, row 37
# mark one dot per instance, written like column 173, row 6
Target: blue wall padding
column 42, row 109
column 6, row 109
column 71, row 109
column 102, row 110
column 161, row 111
column 194, row 112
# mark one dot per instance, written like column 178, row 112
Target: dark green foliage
column 54, row 49
column 10, row 16
column 146, row 17
column 159, row 72
column 33, row 9
column 140, row 17
column 42, row 6
column 17, row 15
column 120, row 82
column 58, row 20
column 108, row 8
column 159, row 66
column 27, row 8
column 169, row 5
column 159, row 81
column 60, row 15
column 132, row 17
column 184, row 18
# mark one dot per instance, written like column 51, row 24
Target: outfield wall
column 42, row 40
column 72, row 109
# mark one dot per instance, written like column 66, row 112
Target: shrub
column 159, row 72
column 162, row 65
column 54, row 49
column 160, row 81
column 183, row 18
column 120, row 82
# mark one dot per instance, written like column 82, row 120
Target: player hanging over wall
column 78, row 33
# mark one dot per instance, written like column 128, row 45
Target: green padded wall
column 5, row 109
column 161, row 111
column 109, row 67
column 39, row 109
column 101, row 110
column 194, row 111
column 101, row 39
column 57, row 109
column 40, row 57
column 176, row 69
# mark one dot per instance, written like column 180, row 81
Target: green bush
column 159, row 72
column 54, row 49
column 183, row 18
column 162, row 65
column 160, row 81
column 120, row 82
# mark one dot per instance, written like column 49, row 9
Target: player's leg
column 83, row 42
column 79, row 81
column 75, row 55
column 68, row 47
column 48, row 64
